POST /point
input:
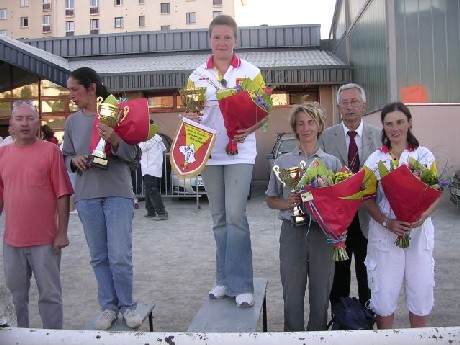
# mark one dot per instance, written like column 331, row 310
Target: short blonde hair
column 224, row 20
column 312, row 109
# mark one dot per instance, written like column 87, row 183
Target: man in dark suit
column 352, row 141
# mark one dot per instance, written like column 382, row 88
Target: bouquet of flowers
column 129, row 119
column 410, row 190
column 333, row 199
column 242, row 107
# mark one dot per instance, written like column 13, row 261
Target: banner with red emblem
column 191, row 148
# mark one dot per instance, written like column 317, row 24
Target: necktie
column 353, row 157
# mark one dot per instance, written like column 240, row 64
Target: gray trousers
column 305, row 255
column 19, row 263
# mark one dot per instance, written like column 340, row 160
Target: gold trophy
column 290, row 177
column 110, row 114
column 194, row 99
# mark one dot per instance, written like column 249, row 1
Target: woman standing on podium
column 104, row 200
column 227, row 178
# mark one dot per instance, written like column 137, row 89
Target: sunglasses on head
column 18, row 103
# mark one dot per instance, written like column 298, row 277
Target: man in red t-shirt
column 34, row 192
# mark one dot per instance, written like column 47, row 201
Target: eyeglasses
column 354, row 103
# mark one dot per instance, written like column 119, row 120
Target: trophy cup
column 110, row 114
column 290, row 177
column 194, row 99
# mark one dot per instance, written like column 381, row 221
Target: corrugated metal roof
column 34, row 60
column 282, row 66
column 141, row 42
column 188, row 62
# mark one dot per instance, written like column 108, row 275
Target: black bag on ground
column 349, row 314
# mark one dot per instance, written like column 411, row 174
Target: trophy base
column 298, row 217
column 98, row 162
column 298, row 220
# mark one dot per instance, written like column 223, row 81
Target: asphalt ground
column 174, row 266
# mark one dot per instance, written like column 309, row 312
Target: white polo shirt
column 207, row 76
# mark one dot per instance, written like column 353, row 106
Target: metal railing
column 171, row 186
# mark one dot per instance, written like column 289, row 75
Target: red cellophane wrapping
column 239, row 112
column 334, row 208
column 408, row 196
column 132, row 128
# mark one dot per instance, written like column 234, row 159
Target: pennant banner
column 191, row 148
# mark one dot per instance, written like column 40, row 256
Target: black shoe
column 162, row 216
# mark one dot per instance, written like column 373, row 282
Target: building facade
column 60, row 18
column 373, row 43
column 407, row 50
column 401, row 50
column 156, row 65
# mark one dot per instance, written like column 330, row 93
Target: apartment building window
column 24, row 3
column 190, row 17
column 118, row 22
column 94, row 7
column 46, row 23
column 141, row 21
column 217, row 2
column 46, row 5
column 216, row 13
column 3, row 13
column 118, row 2
column 69, row 8
column 69, row 28
column 165, row 27
column 164, row 7
column 94, row 26
column 24, row 22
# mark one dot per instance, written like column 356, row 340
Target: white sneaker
column 219, row 291
column 105, row 319
column 245, row 300
column 132, row 318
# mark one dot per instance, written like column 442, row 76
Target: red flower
column 334, row 208
column 242, row 107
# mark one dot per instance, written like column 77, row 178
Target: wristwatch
column 384, row 223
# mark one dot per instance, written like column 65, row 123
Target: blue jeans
column 227, row 188
column 107, row 223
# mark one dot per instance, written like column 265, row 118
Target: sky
column 287, row 12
